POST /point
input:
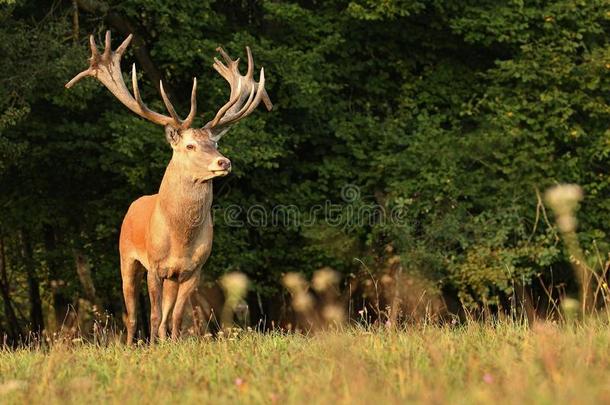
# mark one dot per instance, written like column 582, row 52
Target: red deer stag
column 168, row 235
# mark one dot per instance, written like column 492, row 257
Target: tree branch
column 125, row 27
column 13, row 323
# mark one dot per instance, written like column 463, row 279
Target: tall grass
column 473, row 363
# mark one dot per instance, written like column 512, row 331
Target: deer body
column 168, row 236
column 164, row 229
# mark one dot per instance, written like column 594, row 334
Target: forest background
column 407, row 136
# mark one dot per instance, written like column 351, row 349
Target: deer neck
column 184, row 203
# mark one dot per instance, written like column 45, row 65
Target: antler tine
column 241, row 112
column 246, row 93
column 76, row 78
column 107, row 47
column 168, row 104
column 134, row 84
column 247, row 103
column 226, row 56
column 93, row 60
column 189, row 118
column 250, row 104
column 222, row 69
column 250, row 72
column 266, row 100
column 259, row 93
column 172, row 111
column 225, row 107
column 107, row 69
column 94, row 52
column 123, row 47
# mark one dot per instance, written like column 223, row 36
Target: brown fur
column 169, row 234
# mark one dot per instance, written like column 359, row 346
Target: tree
column 446, row 117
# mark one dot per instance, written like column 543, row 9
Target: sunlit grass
column 474, row 363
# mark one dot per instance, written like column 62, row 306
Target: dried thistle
column 324, row 279
column 333, row 314
column 564, row 199
column 294, row 282
column 235, row 286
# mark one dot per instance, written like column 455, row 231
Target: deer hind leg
column 184, row 293
column 131, row 273
column 154, row 292
column 170, row 292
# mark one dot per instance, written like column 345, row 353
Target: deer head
column 194, row 149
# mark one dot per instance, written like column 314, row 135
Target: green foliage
column 453, row 113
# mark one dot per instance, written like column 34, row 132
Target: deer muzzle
column 221, row 166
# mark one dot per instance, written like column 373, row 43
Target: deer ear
column 172, row 135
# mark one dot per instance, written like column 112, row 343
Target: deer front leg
column 132, row 275
column 154, row 293
column 184, row 292
column 170, row 293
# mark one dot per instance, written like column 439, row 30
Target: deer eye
column 190, row 146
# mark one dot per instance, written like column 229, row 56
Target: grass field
column 463, row 364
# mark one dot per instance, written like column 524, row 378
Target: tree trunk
column 13, row 330
column 61, row 303
column 83, row 270
column 125, row 26
column 36, row 315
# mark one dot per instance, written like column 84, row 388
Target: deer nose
column 224, row 163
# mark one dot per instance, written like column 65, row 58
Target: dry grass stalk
column 235, row 286
column 564, row 200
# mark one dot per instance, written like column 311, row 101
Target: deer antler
column 107, row 69
column 246, row 94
